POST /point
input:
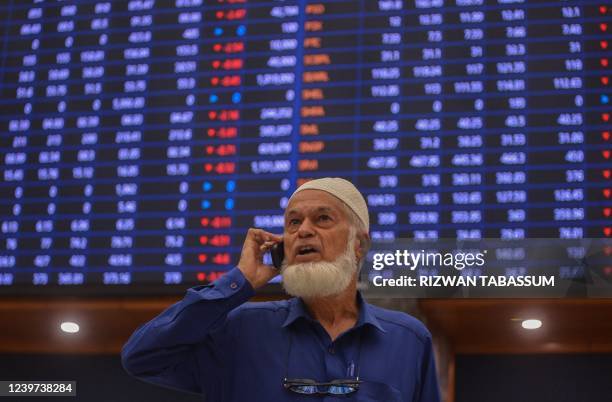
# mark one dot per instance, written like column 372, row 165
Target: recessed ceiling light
column 531, row 324
column 70, row 327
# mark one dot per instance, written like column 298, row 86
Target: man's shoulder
column 274, row 305
column 393, row 320
column 263, row 308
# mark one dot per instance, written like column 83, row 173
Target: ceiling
column 494, row 326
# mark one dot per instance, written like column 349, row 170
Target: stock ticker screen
column 140, row 139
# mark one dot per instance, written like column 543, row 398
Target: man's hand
column 251, row 264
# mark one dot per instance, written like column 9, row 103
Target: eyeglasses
column 311, row 387
column 306, row 386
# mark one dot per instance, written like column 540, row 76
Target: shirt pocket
column 372, row 391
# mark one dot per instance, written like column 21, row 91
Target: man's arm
column 186, row 344
column 428, row 389
column 164, row 350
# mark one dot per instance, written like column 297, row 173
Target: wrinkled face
column 320, row 243
column 316, row 227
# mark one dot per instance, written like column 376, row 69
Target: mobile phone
column 277, row 252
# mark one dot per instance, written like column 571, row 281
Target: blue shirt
column 213, row 342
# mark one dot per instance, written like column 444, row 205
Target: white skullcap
column 345, row 191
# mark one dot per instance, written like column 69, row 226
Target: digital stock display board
column 140, row 139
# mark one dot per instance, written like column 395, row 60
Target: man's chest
column 260, row 366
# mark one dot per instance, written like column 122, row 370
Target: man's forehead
column 313, row 200
column 311, row 208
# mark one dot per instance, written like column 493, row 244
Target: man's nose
column 306, row 229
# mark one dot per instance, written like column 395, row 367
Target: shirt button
column 233, row 285
column 331, row 350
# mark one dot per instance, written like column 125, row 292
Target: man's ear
column 358, row 248
column 363, row 241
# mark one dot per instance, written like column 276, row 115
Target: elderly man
column 327, row 343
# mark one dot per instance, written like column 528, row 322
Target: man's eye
column 294, row 222
column 324, row 217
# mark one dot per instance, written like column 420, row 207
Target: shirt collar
column 297, row 309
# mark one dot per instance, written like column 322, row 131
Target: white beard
column 321, row 278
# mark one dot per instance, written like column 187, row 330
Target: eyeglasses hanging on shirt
column 307, row 386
